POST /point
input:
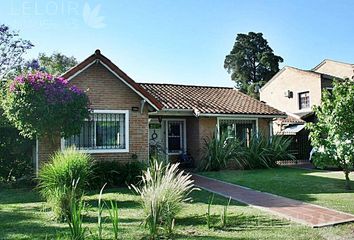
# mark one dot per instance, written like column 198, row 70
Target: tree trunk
column 347, row 180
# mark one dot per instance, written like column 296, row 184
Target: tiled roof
column 207, row 100
column 291, row 120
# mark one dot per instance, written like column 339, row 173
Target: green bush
column 259, row 152
column 219, row 152
column 115, row 173
column 57, row 176
column 15, row 156
column 263, row 152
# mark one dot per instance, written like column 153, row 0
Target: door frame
column 184, row 136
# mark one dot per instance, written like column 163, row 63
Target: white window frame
column 234, row 118
column 184, row 137
column 299, row 101
column 121, row 150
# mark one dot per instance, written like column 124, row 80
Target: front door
column 175, row 136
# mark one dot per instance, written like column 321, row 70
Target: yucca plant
column 75, row 217
column 264, row 152
column 56, row 177
column 163, row 190
column 219, row 151
column 114, row 216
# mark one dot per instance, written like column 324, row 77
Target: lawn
column 324, row 188
column 23, row 215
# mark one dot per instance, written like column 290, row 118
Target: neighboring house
column 128, row 117
column 295, row 92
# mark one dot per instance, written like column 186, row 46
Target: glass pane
column 244, row 132
column 227, row 129
column 175, row 136
column 107, row 133
column 83, row 140
column 104, row 131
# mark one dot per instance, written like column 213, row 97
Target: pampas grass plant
column 163, row 190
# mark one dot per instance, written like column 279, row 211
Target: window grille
column 100, row 131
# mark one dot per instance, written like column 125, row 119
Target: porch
column 182, row 138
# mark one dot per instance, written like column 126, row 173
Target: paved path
column 305, row 213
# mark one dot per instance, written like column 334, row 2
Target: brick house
column 128, row 117
column 296, row 91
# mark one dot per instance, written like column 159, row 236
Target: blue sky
column 183, row 41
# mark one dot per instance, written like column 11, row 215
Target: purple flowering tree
column 38, row 104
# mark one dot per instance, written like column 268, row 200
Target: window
column 238, row 128
column 304, row 100
column 104, row 131
column 175, row 137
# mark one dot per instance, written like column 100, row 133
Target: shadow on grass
column 19, row 195
column 235, row 222
column 121, row 204
column 24, row 224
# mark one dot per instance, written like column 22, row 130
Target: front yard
column 23, row 214
column 324, row 188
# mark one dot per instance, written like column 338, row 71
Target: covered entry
column 168, row 137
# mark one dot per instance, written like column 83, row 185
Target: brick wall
column 294, row 80
column 107, row 92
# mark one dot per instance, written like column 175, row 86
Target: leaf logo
column 92, row 16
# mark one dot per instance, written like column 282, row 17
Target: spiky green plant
column 56, row 177
column 224, row 215
column 75, row 217
column 264, row 152
column 114, row 216
column 162, row 192
column 219, row 151
column 99, row 214
column 208, row 216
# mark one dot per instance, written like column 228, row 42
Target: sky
column 183, row 41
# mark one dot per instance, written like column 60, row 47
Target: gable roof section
column 335, row 68
column 208, row 100
column 97, row 56
column 333, row 61
column 322, row 75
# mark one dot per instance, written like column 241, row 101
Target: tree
column 12, row 47
column 333, row 132
column 251, row 62
column 55, row 64
column 38, row 104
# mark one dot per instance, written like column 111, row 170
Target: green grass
column 24, row 216
column 324, row 188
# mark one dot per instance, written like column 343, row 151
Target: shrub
column 162, row 192
column 114, row 173
column 56, row 178
column 15, row 155
column 218, row 152
column 38, row 104
column 263, row 152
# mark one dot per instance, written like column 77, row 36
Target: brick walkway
column 305, row 213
